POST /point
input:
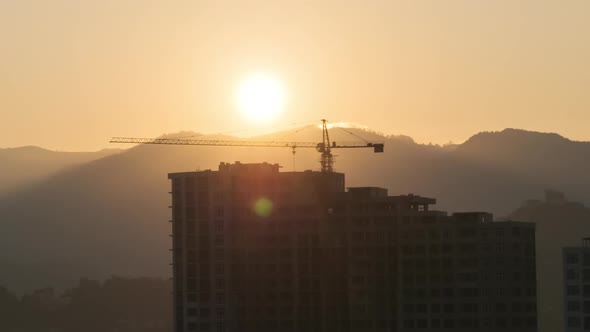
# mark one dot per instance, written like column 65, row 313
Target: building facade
column 576, row 277
column 255, row 249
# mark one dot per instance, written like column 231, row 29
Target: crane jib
column 325, row 147
column 378, row 147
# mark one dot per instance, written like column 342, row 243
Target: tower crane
column 325, row 147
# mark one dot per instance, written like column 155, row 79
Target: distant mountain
column 109, row 216
column 536, row 157
column 24, row 166
column 559, row 223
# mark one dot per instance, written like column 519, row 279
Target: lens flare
column 263, row 207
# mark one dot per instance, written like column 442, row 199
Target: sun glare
column 260, row 98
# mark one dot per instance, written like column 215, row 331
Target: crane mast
column 325, row 147
column 327, row 159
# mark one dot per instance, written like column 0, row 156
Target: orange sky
column 73, row 73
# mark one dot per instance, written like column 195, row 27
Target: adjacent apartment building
column 576, row 276
column 255, row 249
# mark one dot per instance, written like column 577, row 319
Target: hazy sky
column 73, row 73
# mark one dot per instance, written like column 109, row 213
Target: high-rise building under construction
column 255, row 249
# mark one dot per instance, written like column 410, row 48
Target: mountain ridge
column 24, row 166
column 109, row 215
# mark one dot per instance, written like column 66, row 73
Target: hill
column 23, row 166
column 109, row 216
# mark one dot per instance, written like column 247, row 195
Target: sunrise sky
column 74, row 73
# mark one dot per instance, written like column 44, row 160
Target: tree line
column 116, row 304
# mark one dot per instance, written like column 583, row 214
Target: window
column 434, row 278
column 516, row 307
column 449, row 324
column 501, row 307
column 573, row 322
column 220, row 298
column 191, row 312
column 408, row 308
column 422, row 323
column 409, row 324
column 219, row 225
column 572, row 258
column 204, row 312
column 446, row 234
column 447, row 263
column 516, row 247
column 435, row 323
column 191, row 285
column 420, row 293
column 220, row 311
column 515, row 231
column 573, row 306
column 469, row 307
column 468, row 322
column 531, row 321
column 467, row 232
column 448, row 292
column 435, row 293
column 500, row 246
column 501, row 322
column 220, row 326
column 516, row 322
column 449, row 308
column 407, row 250
column 571, row 274
column 420, row 249
column 434, row 249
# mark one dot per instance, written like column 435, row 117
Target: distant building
column 576, row 276
column 255, row 249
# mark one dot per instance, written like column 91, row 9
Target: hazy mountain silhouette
column 24, row 166
column 117, row 304
column 560, row 223
column 110, row 216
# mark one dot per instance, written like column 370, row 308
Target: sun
column 260, row 98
